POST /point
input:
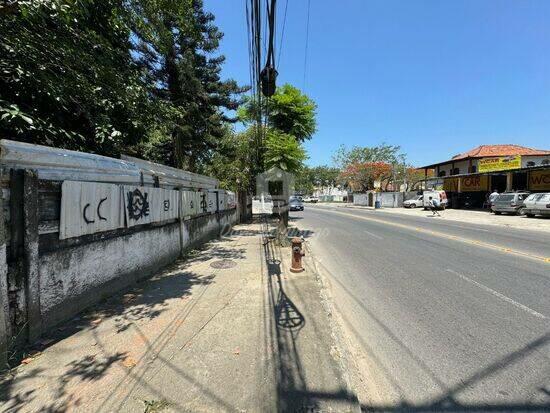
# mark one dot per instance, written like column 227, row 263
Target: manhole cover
column 221, row 264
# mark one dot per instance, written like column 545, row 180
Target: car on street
column 441, row 196
column 295, row 203
column 312, row 199
column 414, row 202
column 510, row 203
column 537, row 204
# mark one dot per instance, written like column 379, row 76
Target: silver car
column 510, row 202
column 537, row 204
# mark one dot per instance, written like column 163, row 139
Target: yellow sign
column 539, row 180
column 450, row 185
column 474, row 183
column 467, row 184
column 499, row 164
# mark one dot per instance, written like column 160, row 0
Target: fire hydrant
column 297, row 255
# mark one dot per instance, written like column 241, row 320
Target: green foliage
column 111, row 76
column 293, row 113
column 308, row 178
column 67, row 78
column 176, row 46
column 290, row 111
column 283, row 151
column 389, row 154
column 231, row 162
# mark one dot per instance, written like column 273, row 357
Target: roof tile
column 483, row 151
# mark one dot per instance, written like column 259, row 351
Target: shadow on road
column 293, row 394
column 448, row 401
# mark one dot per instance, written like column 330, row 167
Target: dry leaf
column 96, row 321
column 27, row 360
column 236, row 351
column 129, row 362
column 45, row 342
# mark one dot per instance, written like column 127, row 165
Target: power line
column 282, row 33
column 307, row 44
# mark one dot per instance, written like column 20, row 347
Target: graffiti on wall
column 89, row 207
column 103, row 207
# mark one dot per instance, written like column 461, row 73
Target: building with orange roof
column 472, row 174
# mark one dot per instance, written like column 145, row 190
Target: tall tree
column 390, row 154
column 179, row 55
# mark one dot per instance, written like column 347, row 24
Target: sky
column 435, row 77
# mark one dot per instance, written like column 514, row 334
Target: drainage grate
column 222, row 264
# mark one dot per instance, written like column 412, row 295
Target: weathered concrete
column 31, row 259
column 4, row 308
column 74, row 278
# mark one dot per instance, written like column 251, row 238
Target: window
column 275, row 187
column 530, row 163
column 455, row 171
column 545, row 162
column 545, row 198
column 442, row 173
column 473, row 169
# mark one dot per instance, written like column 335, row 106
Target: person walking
column 434, row 206
column 492, row 198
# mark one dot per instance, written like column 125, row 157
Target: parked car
column 295, row 203
column 441, row 196
column 312, row 199
column 510, row 202
column 537, row 204
column 414, row 202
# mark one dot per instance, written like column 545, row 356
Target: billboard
column 502, row 163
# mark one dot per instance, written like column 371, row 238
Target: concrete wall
column 76, row 277
column 49, row 277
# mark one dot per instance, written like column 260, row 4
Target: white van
column 441, row 196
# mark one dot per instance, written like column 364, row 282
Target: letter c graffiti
column 88, row 221
column 101, row 218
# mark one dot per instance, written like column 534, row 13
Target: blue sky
column 437, row 77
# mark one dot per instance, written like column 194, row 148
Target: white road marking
column 372, row 234
column 499, row 295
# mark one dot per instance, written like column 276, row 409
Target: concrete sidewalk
column 227, row 329
column 463, row 215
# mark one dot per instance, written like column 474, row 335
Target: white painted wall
column 66, row 274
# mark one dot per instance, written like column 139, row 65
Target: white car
column 537, row 204
column 414, row 202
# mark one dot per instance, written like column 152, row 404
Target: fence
column 74, row 227
column 387, row 199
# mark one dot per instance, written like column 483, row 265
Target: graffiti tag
column 138, row 205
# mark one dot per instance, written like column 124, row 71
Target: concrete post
column 4, row 305
column 32, row 275
column 509, row 180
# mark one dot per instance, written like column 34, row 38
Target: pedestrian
column 492, row 198
column 434, row 206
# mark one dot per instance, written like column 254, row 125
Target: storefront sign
column 539, row 180
column 499, row 164
column 474, row 183
column 467, row 184
column 450, row 185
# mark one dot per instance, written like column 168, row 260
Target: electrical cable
column 307, row 44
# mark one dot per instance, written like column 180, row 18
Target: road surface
column 444, row 316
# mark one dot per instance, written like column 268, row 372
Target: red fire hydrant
column 297, row 255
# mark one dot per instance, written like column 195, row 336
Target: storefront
column 469, row 178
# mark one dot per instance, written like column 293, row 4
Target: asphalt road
column 443, row 316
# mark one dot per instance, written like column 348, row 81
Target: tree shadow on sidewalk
column 135, row 306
